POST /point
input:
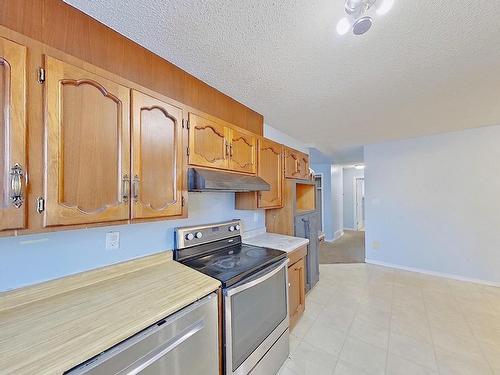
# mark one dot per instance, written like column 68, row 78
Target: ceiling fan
column 358, row 17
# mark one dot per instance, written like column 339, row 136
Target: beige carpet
column 350, row 248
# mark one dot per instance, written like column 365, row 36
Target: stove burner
column 255, row 253
column 226, row 263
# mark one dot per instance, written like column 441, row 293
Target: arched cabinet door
column 208, row 143
column 87, row 123
column 270, row 168
column 157, row 157
column 13, row 174
column 242, row 151
column 291, row 163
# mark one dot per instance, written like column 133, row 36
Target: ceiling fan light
column 362, row 25
column 343, row 26
column 385, row 7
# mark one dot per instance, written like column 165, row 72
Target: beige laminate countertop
column 51, row 327
column 275, row 241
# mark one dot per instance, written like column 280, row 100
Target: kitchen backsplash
column 26, row 260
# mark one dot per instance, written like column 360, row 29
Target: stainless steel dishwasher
column 185, row 343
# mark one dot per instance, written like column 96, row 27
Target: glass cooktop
column 233, row 263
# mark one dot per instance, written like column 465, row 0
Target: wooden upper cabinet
column 242, row 151
column 157, row 157
column 296, row 164
column 12, row 135
column 303, row 166
column 214, row 145
column 270, row 168
column 291, row 163
column 88, row 146
column 208, row 144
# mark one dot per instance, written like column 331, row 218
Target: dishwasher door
column 185, row 343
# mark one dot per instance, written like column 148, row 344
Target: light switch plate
column 112, row 240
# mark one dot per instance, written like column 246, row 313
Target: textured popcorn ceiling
column 426, row 67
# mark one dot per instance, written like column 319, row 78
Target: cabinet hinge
column 187, row 151
column 40, row 205
column 183, row 201
column 41, row 75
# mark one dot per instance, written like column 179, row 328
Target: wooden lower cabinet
column 296, row 285
column 13, row 174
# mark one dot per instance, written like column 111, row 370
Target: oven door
column 256, row 315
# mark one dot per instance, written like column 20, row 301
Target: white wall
column 326, row 171
column 432, row 203
column 332, row 199
column 338, row 208
column 350, row 174
column 279, row 136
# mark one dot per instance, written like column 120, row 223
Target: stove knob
column 237, row 226
column 232, row 228
column 189, row 236
column 198, row 235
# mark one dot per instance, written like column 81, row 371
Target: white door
column 360, row 203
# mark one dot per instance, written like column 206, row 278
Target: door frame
column 322, row 177
column 355, row 200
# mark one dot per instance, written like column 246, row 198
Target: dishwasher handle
column 162, row 350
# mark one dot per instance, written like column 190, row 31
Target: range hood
column 211, row 180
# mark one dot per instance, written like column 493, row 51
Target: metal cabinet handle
column 163, row 350
column 227, row 148
column 125, row 188
column 135, row 188
column 16, row 185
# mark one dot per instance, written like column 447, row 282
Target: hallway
column 350, row 248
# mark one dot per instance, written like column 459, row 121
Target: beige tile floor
column 364, row 319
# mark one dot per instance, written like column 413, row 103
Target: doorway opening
column 349, row 247
column 359, row 203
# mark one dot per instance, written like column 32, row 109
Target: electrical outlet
column 112, row 240
column 375, row 245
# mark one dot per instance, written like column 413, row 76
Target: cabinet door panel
column 242, row 152
column 270, row 168
column 291, row 163
column 157, row 167
column 296, row 278
column 207, row 143
column 88, row 147
column 12, row 135
column 303, row 166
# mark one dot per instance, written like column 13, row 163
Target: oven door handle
column 251, row 283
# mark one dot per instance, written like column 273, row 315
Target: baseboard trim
column 432, row 273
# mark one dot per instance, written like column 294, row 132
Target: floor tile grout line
column 346, row 336
column 427, row 315
column 390, row 328
column 478, row 342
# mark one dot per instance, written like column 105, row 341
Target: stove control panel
column 197, row 235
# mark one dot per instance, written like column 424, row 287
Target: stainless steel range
column 255, row 289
